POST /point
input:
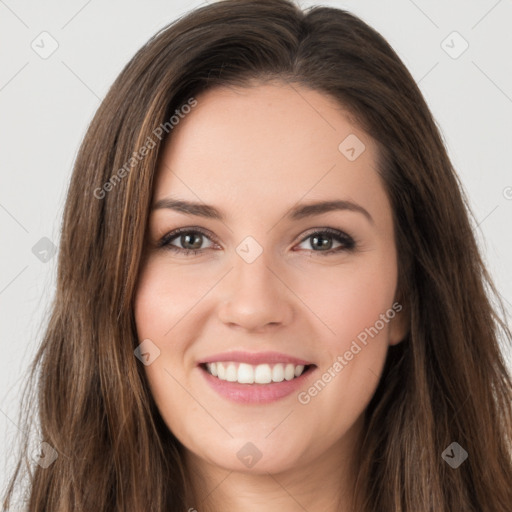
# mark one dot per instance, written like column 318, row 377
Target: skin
column 255, row 153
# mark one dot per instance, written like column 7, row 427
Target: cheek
column 155, row 316
column 151, row 313
column 356, row 305
column 157, row 310
column 167, row 299
column 348, row 300
column 161, row 302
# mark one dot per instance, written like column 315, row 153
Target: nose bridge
column 255, row 296
column 252, row 268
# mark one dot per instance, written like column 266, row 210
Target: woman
column 269, row 294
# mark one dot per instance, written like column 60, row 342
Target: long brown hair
column 446, row 382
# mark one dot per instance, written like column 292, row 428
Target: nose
column 255, row 296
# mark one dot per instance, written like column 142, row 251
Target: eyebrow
column 298, row 212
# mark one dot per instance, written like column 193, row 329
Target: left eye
column 323, row 239
column 192, row 240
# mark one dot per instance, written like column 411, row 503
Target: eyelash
column 348, row 243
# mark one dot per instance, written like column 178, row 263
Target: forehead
column 258, row 147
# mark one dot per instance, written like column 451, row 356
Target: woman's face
column 264, row 297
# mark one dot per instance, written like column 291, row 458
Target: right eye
column 190, row 240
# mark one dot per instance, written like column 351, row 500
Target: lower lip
column 256, row 393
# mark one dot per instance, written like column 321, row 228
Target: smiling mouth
column 243, row 373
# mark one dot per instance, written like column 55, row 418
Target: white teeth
column 298, row 370
column 254, row 374
column 221, row 372
column 278, row 373
column 289, row 372
column 262, row 374
column 231, row 373
column 245, row 374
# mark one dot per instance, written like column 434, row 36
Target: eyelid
column 189, row 229
column 331, row 231
column 341, row 236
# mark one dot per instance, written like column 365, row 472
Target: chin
column 260, row 456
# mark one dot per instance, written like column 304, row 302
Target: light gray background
column 46, row 105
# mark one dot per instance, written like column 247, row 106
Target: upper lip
column 238, row 356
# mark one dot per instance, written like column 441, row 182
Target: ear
column 399, row 325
